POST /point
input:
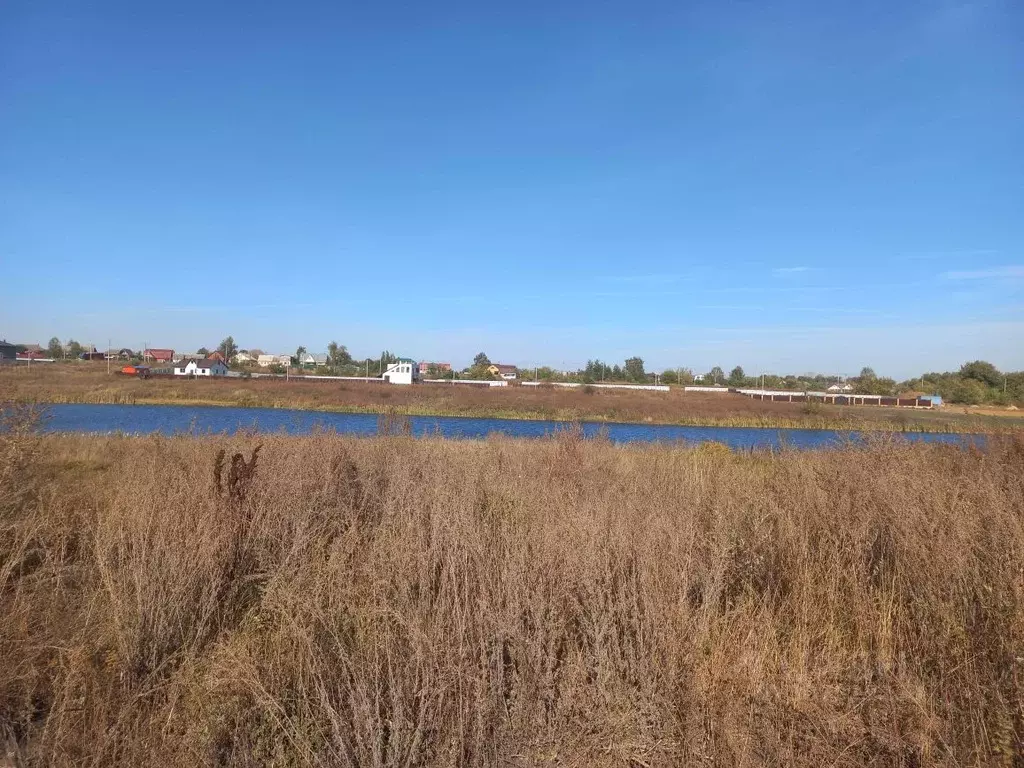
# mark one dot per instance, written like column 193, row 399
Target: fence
column 472, row 382
column 574, row 384
column 828, row 398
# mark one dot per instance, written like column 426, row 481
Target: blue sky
column 789, row 186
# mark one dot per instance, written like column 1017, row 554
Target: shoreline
column 810, row 422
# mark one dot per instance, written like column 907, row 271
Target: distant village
column 227, row 361
column 976, row 382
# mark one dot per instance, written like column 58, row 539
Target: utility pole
column 108, row 356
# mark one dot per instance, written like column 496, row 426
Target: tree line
column 975, row 383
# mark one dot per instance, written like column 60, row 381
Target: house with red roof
column 158, row 355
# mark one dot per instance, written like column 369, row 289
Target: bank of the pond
column 900, row 422
column 178, row 419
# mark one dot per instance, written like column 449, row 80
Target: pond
column 174, row 419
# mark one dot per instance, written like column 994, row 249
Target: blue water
column 173, row 419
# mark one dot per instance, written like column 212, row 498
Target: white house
column 204, row 367
column 507, row 372
column 265, row 361
column 841, row 388
column 405, row 371
column 317, row 358
column 244, row 357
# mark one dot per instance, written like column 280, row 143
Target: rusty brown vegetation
column 89, row 383
column 399, row 602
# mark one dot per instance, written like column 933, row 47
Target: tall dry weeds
column 401, row 602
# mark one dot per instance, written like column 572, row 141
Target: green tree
column 970, row 391
column 986, row 373
column 202, row 351
column 479, row 372
column 736, row 377
column 546, row 373
column 338, row 354
column 596, row 370
column 716, row 375
column 634, row 369
column 434, row 371
column 55, row 349
column 481, row 361
column 228, row 349
column 74, row 349
column 299, row 353
column 867, row 373
column 883, row 386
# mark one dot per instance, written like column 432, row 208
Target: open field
column 398, row 602
column 89, row 383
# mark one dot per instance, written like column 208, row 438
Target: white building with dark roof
column 205, row 367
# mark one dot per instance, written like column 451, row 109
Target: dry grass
column 400, row 602
column 89, row 383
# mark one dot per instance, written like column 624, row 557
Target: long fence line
column 574, row 384
column 829, row 398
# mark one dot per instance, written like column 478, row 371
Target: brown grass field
column 330, row 601
column 89, row 383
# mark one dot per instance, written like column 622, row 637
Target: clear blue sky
column 790, row 186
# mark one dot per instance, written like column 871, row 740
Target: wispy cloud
column 790, row 270
column 992, row 273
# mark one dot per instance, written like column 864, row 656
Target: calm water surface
column 174, row 419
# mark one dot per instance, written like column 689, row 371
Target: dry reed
column 400, row 602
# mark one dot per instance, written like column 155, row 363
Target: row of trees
column 976, row 383
column 70, row 349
